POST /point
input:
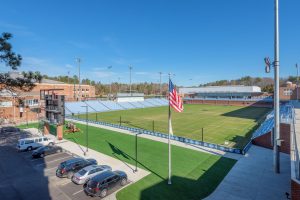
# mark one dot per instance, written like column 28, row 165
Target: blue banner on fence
column 173, row 137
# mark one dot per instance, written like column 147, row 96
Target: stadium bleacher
column 126, row 105
column 286, row 114
column 97, row 106
column 104, row 106
column 75, row 107
column 111, row 105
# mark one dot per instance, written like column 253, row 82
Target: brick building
column 18, row 107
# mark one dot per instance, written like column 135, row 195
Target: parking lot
column 23, row 177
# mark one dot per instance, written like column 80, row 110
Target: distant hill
column 265, row 83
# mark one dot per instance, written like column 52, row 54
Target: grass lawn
column 233, row 124
column 195, row 174
column 30, row 125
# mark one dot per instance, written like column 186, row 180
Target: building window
column 6, row 104
column 287, row 92
column 32, row 102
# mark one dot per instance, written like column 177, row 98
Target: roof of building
column 220, row 89
column 130, row 94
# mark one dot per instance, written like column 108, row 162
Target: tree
column 25, row 81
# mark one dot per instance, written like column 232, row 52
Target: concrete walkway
column 164, row 140
column 101, row 158
column 253, row 178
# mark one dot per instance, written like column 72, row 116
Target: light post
column 78, row 60
column 68, row 77
column 119, row 83
column 109, row 67
column 86, row 129
column 136, row 150
column 160, row 73
column 130, row 69
column 275, row 64
column 297, row 80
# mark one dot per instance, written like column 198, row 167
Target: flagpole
column 169, row 141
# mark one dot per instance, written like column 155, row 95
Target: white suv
column 33, row 143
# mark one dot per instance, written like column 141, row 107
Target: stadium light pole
column 276, row 96
column 275, row 64
column 109, row 67
column 78, row 60
column 160, row 73
column 130, row 69
column 297, row 84
column 86, row 129
column 119, row 84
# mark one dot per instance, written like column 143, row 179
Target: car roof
column 91, row 167
column 73, row 160
column 103, row 176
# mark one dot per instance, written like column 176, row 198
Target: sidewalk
column 253, row 178
column 116, row 164
column 164, row 140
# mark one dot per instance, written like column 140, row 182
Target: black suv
column 69, row 167
column 99, row 185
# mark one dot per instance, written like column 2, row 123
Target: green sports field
column 195, row 174
column 225, row 125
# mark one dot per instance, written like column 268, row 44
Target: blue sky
column 197, row 40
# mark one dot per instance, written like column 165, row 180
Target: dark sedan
column 46, row 150
column 70, row 167
column 99, row 185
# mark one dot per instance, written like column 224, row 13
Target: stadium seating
column 286, row 115
column 111, row 105
column 96, row 106
column 137, row 104
column 75, row 107
column 126, row 105
column 147, row 104
column 103, row 106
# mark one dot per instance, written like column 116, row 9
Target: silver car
column 88, row 172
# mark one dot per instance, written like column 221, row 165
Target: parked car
column 70, row 167
column 46, row 150
column 33, row 143
column 10, row 129
column 99, row 185
column 83, row 175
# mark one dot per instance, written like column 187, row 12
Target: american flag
column 174, row 99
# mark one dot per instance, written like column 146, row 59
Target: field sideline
column 225, row 125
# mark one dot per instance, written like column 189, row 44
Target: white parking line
column 65, row 182
column 77, row 192
column 52, row 161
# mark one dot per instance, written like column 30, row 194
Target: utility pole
column 276, row 161
column 297, row 80
column 68, row 77
column 119, row 84
column 160, row 73
column 78, row 60
column 109, row 67
column 130, row 69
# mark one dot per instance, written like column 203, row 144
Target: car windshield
column 82, row 172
